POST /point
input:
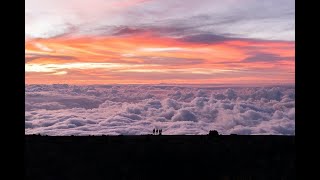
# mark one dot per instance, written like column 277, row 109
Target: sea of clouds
column 138, row 109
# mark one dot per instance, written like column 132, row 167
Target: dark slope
column 160, row 157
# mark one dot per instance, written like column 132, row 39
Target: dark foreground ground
column 160, row 157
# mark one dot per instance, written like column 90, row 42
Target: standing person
column 156, row 131
column 160, row 132
column 153, row 131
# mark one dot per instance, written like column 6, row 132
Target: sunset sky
column 160, row 41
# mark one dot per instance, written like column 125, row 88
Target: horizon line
column 170, row 84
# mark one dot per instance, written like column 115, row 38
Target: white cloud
column 184, row 115
column 273, row 19
column 137, row 109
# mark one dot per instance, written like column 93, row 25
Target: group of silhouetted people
column 157, row 131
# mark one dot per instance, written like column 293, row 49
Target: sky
column 160, row 41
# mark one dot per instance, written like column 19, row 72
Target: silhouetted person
column 160, row 132
column 154, row 130
column 157, row 131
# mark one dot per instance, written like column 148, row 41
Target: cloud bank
column 137, row 109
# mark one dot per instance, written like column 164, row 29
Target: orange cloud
column 136, row 58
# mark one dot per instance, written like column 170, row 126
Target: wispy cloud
column 142, row 39
column 247, row 19
column 165, row 57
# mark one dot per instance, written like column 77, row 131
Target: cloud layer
column 137, row 109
